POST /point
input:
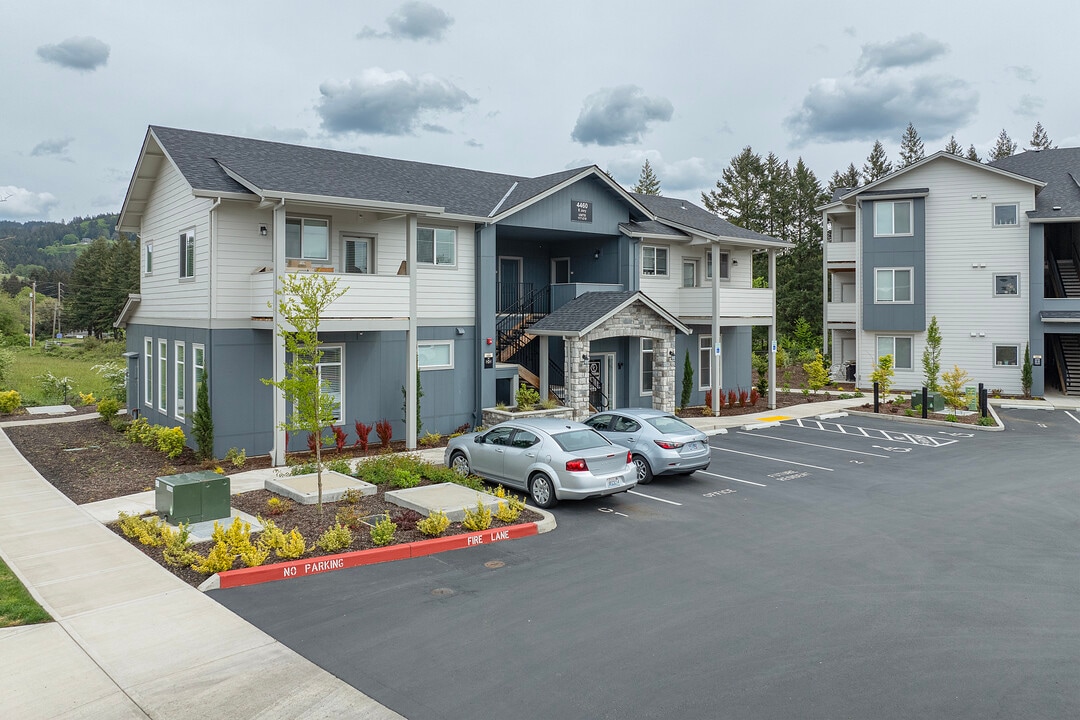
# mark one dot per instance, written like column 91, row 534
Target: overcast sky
column 522, row 88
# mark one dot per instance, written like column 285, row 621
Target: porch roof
column 1059, row 315
column 584, row 314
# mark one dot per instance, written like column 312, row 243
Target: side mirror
column 479, row 439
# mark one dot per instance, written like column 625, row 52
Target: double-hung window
column 436, row 246
column 187, row 254
column 163, row 375
column 724, row 273
column 654, row 260
column 179, row 360
column 646, row 366
column 307, row 238
column 435, row 355
column 705, row 354
column 330, row 377
column 1006, row 215
column 899, row 347
column 148, row 372
column 892, row 285
column 893, row 218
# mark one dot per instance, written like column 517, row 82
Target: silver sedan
column 659, row 442
column 550, row 459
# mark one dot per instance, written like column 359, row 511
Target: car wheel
column 644, row 472
column 459, row 463
column 542, row 491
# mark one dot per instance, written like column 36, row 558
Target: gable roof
column 583, row 314
column 1060, row 170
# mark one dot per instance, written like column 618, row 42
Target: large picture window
column 307, row 238
column 187, row 254
column 899, row 347
column 163, row 375
column 892, row 285
column 330, row 377
column 180, row 360
column 436, row 246
column 705, row 355
column 654, row 260
column 646, row 366
column 893, row 218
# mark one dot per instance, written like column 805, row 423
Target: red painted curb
column 356, row 558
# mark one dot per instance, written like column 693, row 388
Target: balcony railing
column 840, row 252
column 366, row 296
column 730, row 302
column 840, row 312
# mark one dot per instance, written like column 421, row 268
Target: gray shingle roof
column 1059, row 169
column 581, row 312
column 651, row 227
column 687, row 214
column 897, row 191
column 1059, row 314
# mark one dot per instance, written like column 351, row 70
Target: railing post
column 876, row 397
column 924, row 402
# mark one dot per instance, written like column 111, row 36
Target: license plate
column 616, row 482
column 693, row 446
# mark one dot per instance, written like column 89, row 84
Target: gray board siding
column 894, row 252
column 554, row 212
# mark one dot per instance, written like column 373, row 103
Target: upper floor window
column 892, row 285
column 1007, row 285
column 893, row 217
column 436, row 246
column 187, row 254
column 148, row 258
column 1005, row 215
column 723, row 265
column 307, row 238
column 359, row 255
column 689, row 273
column 653, row 260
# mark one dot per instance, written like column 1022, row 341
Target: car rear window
column 580, row 440
column 670, row 425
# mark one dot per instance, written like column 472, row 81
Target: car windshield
column 670, row 425
column 580, row 440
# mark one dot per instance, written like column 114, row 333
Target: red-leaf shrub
column 385, row 431
column 754, row 397
column 708, row 398
column 362, row 433
column 743, row 397
column 339, row 436
column 732, row 398
column 721, row 399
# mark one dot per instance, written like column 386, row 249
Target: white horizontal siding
column 240, row 250
column 448, row 293
column 695, row 302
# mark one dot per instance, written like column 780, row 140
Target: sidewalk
column 130, row 639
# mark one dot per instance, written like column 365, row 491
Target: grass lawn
column 16, row 605
column 75, row 360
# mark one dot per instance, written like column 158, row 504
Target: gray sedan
column 550, row 459
column 659, row 442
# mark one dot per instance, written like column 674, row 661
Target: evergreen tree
column 1039, row 139
column 954, row 147
column 777, row 195
column 972, row 155
column 202, row 424
column 738, row 194
column 877, row 165
column 1026, row 378
column 1003, row 148
column 648, row 183
column 931, row 357
column 911, row 147
column 849, row 179
column 687, row 381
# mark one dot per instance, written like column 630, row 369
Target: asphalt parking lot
column 856, row 567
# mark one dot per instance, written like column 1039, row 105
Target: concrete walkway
column 131, row 640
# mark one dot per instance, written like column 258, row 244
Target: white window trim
column 197, row 370
column 302, row 256
column 148, row 372
column 372, row 257
column 895, row 302
column 682, row 277
column 667, row 261
column 148, row 258
column 179, row 379
column 878, row 204
column 187, row 237
column 705, row 344
column 434, row 247
column 641, row 365
column 431, row 343
column 163, row 375
column 993, row 356
column 994, row 289
column 877, row 355
column 993, row 215
column 339, row 418
column 725, row 262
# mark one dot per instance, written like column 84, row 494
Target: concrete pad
column 47, row 540
column 75, row 562
column 178, row 630
column 45, row 674
column 102, row 588
column 115, row 706
column 450, row 498
column 108, row 511
column 248, row 480
column 203, row 531
column 50, row 410
column 304, row 489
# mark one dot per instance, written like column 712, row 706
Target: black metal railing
column 509, row 295
column 514, row 343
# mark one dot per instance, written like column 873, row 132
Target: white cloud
column 77, row 53
column 412, row 21
column 55, row 148
column 619, row 116
column 908, row 51
column 386, row 103
column 20, row 203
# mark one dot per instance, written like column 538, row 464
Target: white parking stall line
column 827, row 447
column 870, row 433
column 1072, row 416
column 669, row 502
column 766, row 457
column 725, row 477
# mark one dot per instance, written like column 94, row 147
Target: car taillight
column 629, row 457
column 668, row 445
column 576, row 465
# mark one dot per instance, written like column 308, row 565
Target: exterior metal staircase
column 1068, row 357
column 1070, row 277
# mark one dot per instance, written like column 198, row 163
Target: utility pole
column 56, row 309
column 33, row 300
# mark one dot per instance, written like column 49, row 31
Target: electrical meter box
column 192, row 497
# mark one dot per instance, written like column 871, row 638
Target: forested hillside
column 40, row 250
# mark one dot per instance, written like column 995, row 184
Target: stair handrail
column 1075, row 257
column 1055, row 274
column 1059, row 361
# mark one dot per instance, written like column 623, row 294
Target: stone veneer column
column 664, row 372
column 576, row 373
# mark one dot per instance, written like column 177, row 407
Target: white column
column 410, row 335
column 278, row 339
column 772, row 330
column 716, row 375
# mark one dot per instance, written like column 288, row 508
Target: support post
column 716, row 373
column 410, row 335
column 279, row 449
column 982, row 400
column 772, row 331
column 544, row 380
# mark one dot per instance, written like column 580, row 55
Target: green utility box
column 935, row 401
column 192, row 497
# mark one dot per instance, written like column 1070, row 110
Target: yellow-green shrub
column 230, row 544
column 479, row 519
column 10, row 401
column 108, row 408
column 170, row 441
column 277, row 505
column 335, row 538
column 219, row 559
column 287, row 546
column 87, row 399
column 383, row 532
column 178, row 552
column 147, row 530
column 434, row 524
column 509, row 510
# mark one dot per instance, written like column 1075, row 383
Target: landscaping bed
column 903, row 407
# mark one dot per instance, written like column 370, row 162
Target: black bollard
column 924, row 402
column 875, row 397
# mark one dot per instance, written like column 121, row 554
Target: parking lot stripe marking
column 1072, row 416
column 669, row 502
column 766, row 457
column 725, row 477
column 871, row 433
column 774, row 418
column 827, row 447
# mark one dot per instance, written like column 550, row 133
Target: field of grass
column 75, row 360
column 16, row 605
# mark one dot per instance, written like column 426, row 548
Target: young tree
column 931, row 356
column 1026, row 379
column 1039, row 139
column 954, row 147
column 952, row 387
column 202, row 424
column 911, row 147
column 687, row 381
column 883, row 374
column 877, row 163
column 817, row 376
column 302, row 300
column 972, row 155
column 1003, row 148
column 648, row 183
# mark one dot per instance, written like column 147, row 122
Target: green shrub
column 347, row 516
column 430, row 439
column 170, row 441
column 527, row 397
column 108, row 408
column 178, row 552
column 277, row 505
column 510, row 505
column 434, row 524
column 7, row 360
column 55, row 388
column 10, row 401
column 351, row 496
column 986, row 421
column 336, row 538
column 115, row 374
column 883, row 374
column 383, row 532
column 119, row 423
column 236, row 456
column 479, row 519
column 402, row 478
column 340, row 465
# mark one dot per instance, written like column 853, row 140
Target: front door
column 560, row 271
column 602, row 381
column 509, row 282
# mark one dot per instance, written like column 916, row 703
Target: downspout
column 278, row 452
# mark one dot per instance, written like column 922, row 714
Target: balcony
column 731, row 303
column 366, row 296
column 840, row 252
column 840, row 312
